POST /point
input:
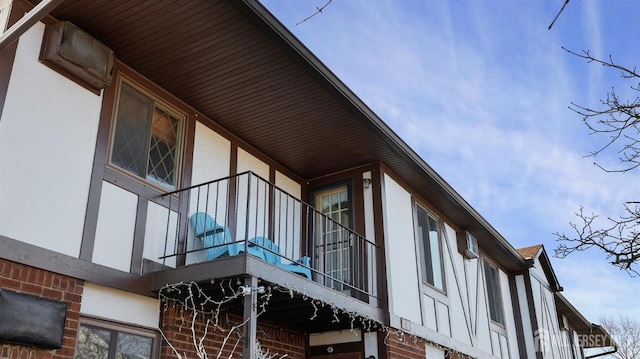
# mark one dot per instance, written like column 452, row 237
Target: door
column 334, row 247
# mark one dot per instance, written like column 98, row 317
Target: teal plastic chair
column 271, row 254
column 213, row 235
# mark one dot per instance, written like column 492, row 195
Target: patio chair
column 271, row 254
column 214, row 236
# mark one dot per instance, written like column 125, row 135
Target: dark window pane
column 164, row 148
column 131, row 137
column 93, row 343
column 131, row 346
column 493, row 293
column 429, row 242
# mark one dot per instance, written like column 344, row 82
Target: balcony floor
column 292, row 312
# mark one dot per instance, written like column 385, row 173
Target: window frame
column 129, row 180
column 117, row 328
column 496, row 291
column 422, row 259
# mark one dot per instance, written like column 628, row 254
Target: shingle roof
column 530, row 252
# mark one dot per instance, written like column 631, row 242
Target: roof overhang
column 237, row 65
column 590, row 335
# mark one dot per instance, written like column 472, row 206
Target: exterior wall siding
column 24, row 279
column 44, row 110
column 400, row 249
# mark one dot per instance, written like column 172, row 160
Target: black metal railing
column 247, row 214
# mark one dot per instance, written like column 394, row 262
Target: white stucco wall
column 258, row 199
column 47, row 142
column 160, row 236
column 211, row 155
column 115, row 228
column 288, row 216
column 400, row 247
column 116, row 305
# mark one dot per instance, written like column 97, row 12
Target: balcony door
column 334, row 247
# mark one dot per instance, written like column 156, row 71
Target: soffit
column 237, row 65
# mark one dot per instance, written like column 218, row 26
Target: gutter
column 615, row 346
column 27, row 21
column 615, row 349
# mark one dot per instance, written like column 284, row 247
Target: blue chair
column 218, row 240
column 271, row 254
column 213, row 235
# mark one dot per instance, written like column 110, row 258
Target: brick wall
column 24, row 279
column 405, row 347
column 177, row 327
column 454, row 355
column 411, row 347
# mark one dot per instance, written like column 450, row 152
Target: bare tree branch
column 318, row 11
column 559, row 12
column 618, row 119
column 626, row 332
column 619, row 240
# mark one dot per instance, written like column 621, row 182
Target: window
column 430, row 249
column 493, row 292
column 146, row 139
column 98, row 340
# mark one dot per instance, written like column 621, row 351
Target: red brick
column 31, row 288
column 72, row 297
column 8, row 283
column 52, row 293
column 4, row 351
column 38, row 277
column 48, row 277
column 16, row 271
column 55, row 281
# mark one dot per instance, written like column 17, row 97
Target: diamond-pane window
column 146, row 138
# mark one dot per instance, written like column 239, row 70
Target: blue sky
column 480, row 90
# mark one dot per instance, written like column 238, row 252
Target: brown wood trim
column 517, row 314
column 8, row 55
column 97, row 173
column 532, row 309
column 138, row 236
column 383, row 349
column 38, row 257
column 378, row 216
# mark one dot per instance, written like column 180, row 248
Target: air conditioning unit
column 65, row 47
column 467, row 245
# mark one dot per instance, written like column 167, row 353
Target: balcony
column 244, row 226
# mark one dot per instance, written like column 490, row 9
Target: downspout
column 27, row 21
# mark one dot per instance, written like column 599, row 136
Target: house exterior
column 186, row 179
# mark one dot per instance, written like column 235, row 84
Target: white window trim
column 428, row 288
